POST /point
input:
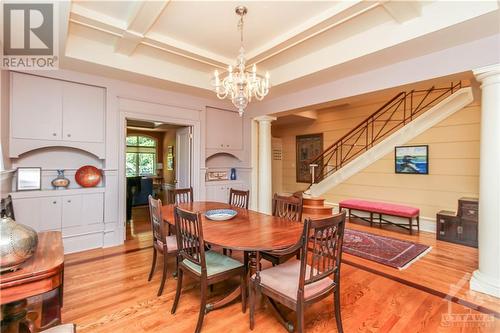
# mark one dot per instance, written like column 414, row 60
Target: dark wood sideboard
column 460, row 227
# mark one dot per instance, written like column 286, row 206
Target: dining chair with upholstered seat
column 290, row 208
column 299, row 283
column 208, row 267
column 163, row 243
column 238, row 198
column 183, row 195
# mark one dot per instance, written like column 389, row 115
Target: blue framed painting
column 412, row 159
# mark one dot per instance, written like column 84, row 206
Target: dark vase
column 233, row 174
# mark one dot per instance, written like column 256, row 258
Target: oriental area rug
column 388, row 251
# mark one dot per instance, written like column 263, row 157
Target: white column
column 265, row 195
column 487, row 278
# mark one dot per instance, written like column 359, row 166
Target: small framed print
column 29, row 179
column 412, row 159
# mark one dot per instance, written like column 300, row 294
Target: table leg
column 14, row 318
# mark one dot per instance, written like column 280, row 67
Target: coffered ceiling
column 182, row 42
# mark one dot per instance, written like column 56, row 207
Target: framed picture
column 308, row 147
column 29, row 179
column 170, row 158
column 412, row 159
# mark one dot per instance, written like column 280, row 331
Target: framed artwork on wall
column 29, row 179
column 170, row 158
column 412, row 159
column 308, row 147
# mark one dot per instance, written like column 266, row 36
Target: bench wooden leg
column 411, row 226
column 380, row 221
column 371, row 219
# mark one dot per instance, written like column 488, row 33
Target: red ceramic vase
column 88, row 176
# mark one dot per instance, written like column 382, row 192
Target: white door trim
column 196, row 147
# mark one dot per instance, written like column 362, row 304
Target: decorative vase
column 60, row 182
column 88, row 176
column 233, row 174
column 17, row 243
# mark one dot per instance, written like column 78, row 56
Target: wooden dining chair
column 183, row 195
column 163, row 243
column 239, row 198
column 298, row 283
column 209, row 267
column 288, row 207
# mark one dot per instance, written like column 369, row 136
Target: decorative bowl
column 17, row 244
column 88, row 176
column 220, row 214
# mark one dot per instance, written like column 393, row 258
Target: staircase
column 402, row 118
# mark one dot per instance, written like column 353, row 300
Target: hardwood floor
column 106, row 290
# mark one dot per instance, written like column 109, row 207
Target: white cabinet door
column 27, row 212
column 36, row 108
column 71, row 211
column 41, row 214
column 93, row 208
column 50, row 213
column 224, row 130
column 83, row 112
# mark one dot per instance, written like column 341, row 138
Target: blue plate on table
column 220, row 214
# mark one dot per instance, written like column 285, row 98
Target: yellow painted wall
column 453, row 161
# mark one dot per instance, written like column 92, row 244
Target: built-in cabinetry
column 219, row 190
column 224, row 132
column 47, row 112
column 75, row 212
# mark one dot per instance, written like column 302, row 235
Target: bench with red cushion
column 383, row 208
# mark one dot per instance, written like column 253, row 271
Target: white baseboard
column 426, row 223
column 82, row 242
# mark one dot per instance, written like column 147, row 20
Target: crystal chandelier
column 238, row 84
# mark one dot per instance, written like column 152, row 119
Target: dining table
column 249, row 231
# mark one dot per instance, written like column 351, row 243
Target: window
column 141, row 156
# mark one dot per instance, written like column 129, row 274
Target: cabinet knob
column 69, row 201
column 69, row 135
column 54, row 202
column 54, row 134
column 227, row 146
column 222, row 145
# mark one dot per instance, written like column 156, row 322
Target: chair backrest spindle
column 190, row 243
column 239, row 198
column 322, row 240
column 156, row 219
column 288, row 207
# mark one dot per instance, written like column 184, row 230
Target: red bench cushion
column 380, row 207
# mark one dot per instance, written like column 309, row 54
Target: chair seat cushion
column 171, row 243
column 216, row 263
column 284, row 279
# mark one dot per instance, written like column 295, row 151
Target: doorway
column 158, row 158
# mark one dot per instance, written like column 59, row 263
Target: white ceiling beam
column 327, row 20
column 94, row 20
column 402, row 11
column 142, row 19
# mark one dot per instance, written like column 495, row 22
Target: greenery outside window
column 141, row 156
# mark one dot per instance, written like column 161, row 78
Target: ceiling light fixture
column 238, row 84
